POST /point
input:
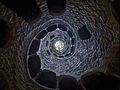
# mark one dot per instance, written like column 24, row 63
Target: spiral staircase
column 59, row 45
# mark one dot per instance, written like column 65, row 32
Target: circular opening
column 59, row 45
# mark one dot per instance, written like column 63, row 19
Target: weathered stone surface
column 92, row 13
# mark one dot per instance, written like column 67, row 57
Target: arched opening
column 56, row 7
column 7, row 34
column 116, row 10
